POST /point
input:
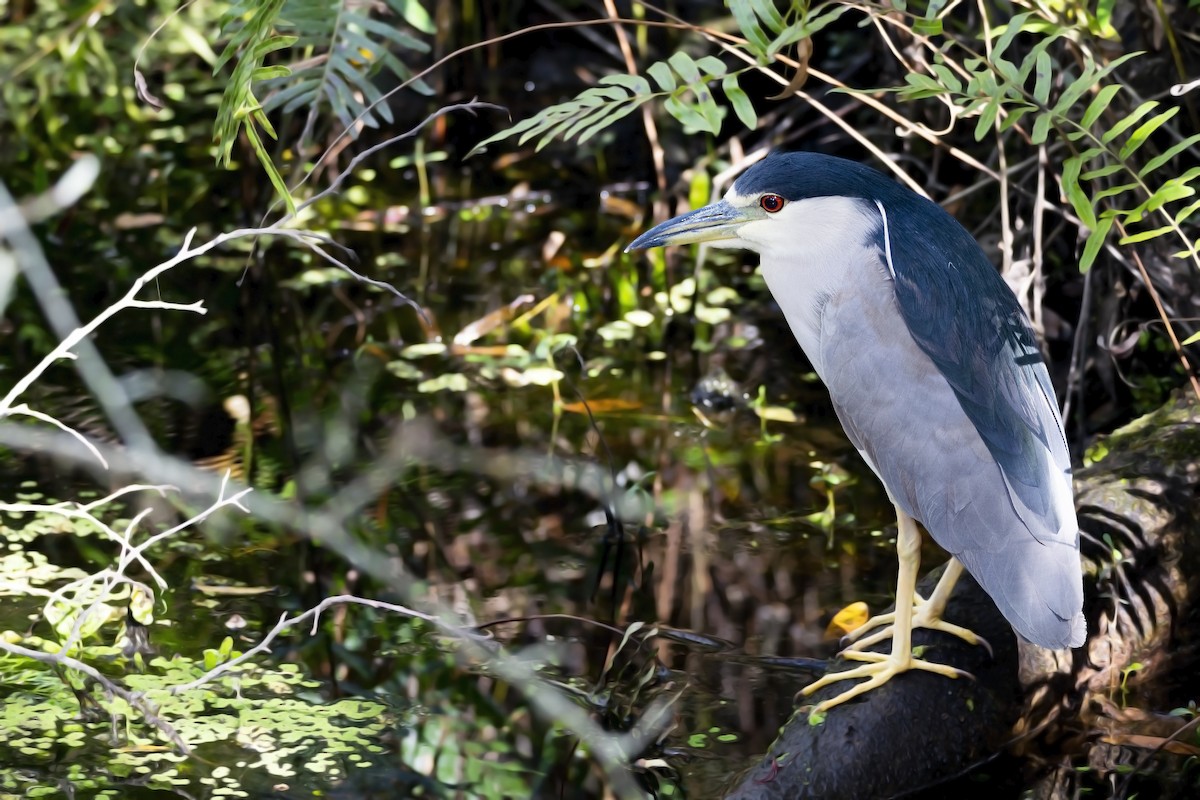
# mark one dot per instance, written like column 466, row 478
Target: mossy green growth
column 249, row 731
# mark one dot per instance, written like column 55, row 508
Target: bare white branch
column 25, row 410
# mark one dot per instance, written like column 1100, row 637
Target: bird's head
column 783, row 199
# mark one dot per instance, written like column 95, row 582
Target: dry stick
column 135, row 700
column 285, row 622
column 476, row 46
column 1162, row 314
column 111, row 578
column 1176, row 735
column 724, row 41
column 75, row 336
column 1039, row 222
column 656, row 150
column 1006, row 234
column 1075, row 370
column 946, row 101
column 907, row 124
column 732, row 45
column 23, row 410
column 310, row 239
column 72, row 510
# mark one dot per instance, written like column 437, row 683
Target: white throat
column 811, row 250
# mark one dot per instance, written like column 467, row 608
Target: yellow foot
column 923, row 617
column 880, row 669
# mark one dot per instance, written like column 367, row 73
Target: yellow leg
column 926, row 614
column 882, row 668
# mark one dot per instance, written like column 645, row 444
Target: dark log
column 919, row 732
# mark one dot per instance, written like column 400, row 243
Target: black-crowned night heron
column 937, row 378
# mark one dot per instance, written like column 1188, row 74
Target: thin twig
column 1162, row 314
column 135, row 699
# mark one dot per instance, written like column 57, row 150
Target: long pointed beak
column 716, row 222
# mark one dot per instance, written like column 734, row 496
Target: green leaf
column 634, row 83
column 713, row 114
column 1139, row 136
column 1104, row 13
column 602, row 95
column 1014, row 116
column 268, row 73
column 662, row 76
column 1129, row 120
column 1042, row 78
column 624, row 111
column 987, row 119
column 271, row 45
column 927, row 27
column 1167, row 155
column 683, row 64
column 1007, row 33
column 1075, row 193
column 414, row 14
column 1075, row 90
column 712, row 66
column 1007, row 69
column 284, row 99
column 601, row 118
column 389, row 33
column 556, row 127
column 747, row 20
column 1174, row 189
column 1099, row 104
column 923, row 86
column 740, row 102
column 769, row 14
column 1102, row 172
column 1169, row 192
column 1031, row 58
column 264, row 158
column 1091, row 248
column 688, row 115
column 1116, row 62
column 1113, row 191
column 988, row 87
column 805, row 28
column 1142, row 236
column 1041, row 127
column 1186, row 212
column 947, row 77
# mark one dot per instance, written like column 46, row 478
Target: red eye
column 771, row 203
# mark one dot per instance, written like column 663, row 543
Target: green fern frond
column 254, row 39
column 1108, row 180
column 351, row 48
column 1144, row 192
column 681, row 80
column 240, row 110
column 683, row 84
column 769, row 31
column 346, row 48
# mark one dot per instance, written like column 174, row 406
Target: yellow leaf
column 848, row 620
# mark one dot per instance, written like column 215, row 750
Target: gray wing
column 943, row 391
column 966, row 320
